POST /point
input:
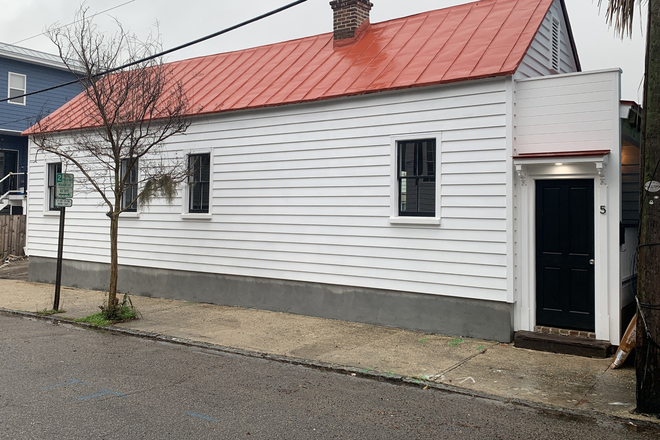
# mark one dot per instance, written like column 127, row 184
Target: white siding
column 537, row 60
column 563, row 113
column 302, row 193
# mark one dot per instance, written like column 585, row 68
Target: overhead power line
column 169, row 51
column 74, row 22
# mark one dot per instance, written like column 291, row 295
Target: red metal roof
column 476, row 40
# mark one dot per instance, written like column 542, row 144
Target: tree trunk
column 112, row 290
column 648, row 292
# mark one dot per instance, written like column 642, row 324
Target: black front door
column 564, row 253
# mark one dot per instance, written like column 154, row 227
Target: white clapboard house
column 453, row 171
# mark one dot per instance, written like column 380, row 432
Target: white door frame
column 606, row 250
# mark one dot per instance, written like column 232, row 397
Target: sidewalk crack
column 591, row 388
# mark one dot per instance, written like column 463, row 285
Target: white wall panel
column 302, row 193
column 563, row 113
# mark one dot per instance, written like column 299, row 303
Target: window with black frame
column 416, row 175
column 53, row 170
column 128, row 202
column 199, row 182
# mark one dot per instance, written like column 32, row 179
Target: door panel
column 564, row 253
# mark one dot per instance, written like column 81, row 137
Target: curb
column 632, row 423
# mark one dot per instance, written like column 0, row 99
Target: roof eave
column 202, row 113
column 570, row 36
column 36, row 61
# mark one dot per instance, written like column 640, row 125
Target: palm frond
column 620, row 15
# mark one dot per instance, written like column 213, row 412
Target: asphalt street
column 63, row 382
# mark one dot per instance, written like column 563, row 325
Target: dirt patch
column 14, row 268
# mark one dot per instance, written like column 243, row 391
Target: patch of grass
column 97, row 320
column 48, row 312
column 121, row 313
column 455, row 342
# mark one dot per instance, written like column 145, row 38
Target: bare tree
column 122, row 120
column 620, row 14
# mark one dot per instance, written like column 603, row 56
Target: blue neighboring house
column 23, row 71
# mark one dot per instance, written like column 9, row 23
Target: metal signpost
column 63, row 196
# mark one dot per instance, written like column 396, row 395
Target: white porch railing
column 12, row 189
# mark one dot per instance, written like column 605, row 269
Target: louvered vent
column 556, row 35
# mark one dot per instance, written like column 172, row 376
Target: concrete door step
column 562, row 344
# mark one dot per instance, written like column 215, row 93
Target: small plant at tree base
column 123, row 312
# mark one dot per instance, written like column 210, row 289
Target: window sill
column 196, row 216
column 129, row 214
column 432, row 221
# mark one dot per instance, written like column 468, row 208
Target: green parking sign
column 64, row 185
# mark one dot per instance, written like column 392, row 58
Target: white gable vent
column 555, row 50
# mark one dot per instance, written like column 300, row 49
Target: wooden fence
column 12, row 235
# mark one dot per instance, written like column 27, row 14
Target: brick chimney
column 351, row 18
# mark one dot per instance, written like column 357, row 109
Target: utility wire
column 166, row 52
column 74, row 22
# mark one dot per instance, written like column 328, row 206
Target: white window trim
column 185, row 215
column 133, row 214
column 47, row 211
column 130, row 214
column 395, row 218
column 9, row 75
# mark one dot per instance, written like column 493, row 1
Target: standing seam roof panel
column 373, row 56
column 427, row 52
column 526, row 37
column 239, row 77
column 257, row 73
column 281, row 61
column 481, row 39
column 487, row 35
column 350, row 55
column 442, row 62
column 400, row 61
column 209, row 86
column 292, row 76
column 474, row 46
column 396, row 49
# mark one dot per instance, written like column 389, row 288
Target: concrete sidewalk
column 485, row 368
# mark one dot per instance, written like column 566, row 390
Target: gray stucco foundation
column 427, row 313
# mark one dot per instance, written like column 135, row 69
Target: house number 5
column 602, row 209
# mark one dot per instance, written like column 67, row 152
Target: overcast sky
column 182, row 21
